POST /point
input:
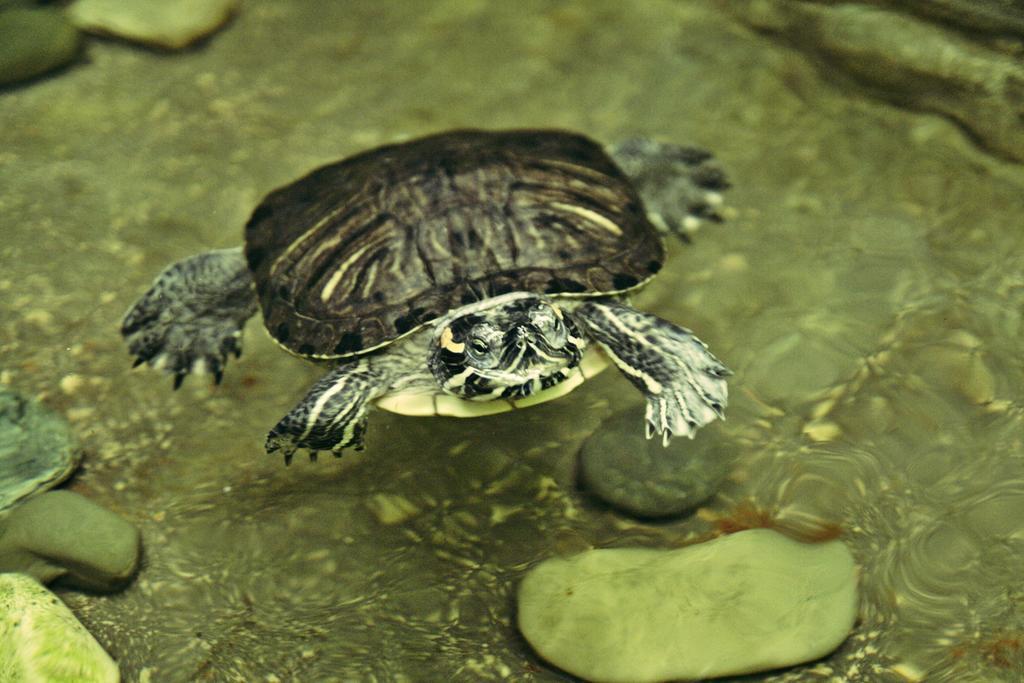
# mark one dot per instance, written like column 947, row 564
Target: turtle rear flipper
column 192, row 316
column 681, row 186
column 684, row 384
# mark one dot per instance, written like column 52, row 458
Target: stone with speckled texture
column 749, row 602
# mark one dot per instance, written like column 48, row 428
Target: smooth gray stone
column 644, row 478
column 752, row 601
column 34, row 41
column 37, row 450
column 61, row 534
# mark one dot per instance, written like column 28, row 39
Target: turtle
column 463, row 273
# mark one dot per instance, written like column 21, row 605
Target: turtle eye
column 482, row 344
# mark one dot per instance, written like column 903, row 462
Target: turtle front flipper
column 684, row 384
column 332, row 416
column 192, row 316
column 681, row 186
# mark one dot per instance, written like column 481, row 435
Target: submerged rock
column 644, row 478
column 172, row 24
column 41, row 640
column 33, row 42
column 914, row 62
column 1000, row 17
column 752, row 601
column 62, row 534
column 37, row 451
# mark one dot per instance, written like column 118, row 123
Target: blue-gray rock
column 644, row 478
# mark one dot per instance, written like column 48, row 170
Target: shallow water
column 867, row 290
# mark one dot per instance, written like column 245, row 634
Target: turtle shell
column 361, row 252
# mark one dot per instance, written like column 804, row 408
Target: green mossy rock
column 37, row 450
column 752, row 601
column 33, row 42
column 41, row 641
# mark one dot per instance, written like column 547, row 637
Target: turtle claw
column 682, row 381
column 196, row 358
column 683, row 408
column 231, row 345
column 150, row 355
column 190, row 320
column 681, row 186
column 275, row 443
column 332, row 416
column 289, row 446
column 281, row 438
column 718, row 408
column 671, row 418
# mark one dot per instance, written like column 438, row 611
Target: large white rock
column 751, row 601
column 41, row 641
column 171, row 24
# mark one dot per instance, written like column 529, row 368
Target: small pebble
column 977, row 383
column 959, row 369
column 70, row 384
column 733, row 263
column 81, row 414
column 391, row 508
column 822, row 430
column 39, row 317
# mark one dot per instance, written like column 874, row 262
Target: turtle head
column 509, row 346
